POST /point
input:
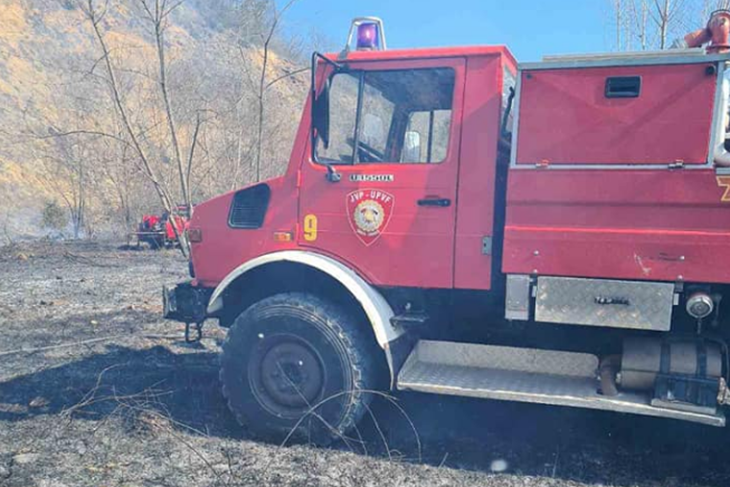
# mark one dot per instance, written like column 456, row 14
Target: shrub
column 54, row 217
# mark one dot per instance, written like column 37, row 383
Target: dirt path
column 130, row 404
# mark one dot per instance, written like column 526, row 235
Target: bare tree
column 654, row 24
column 95, row 15
column 635, row 23
column 158, row 12
column 136, row 104
column 267, row 37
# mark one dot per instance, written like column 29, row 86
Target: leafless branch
column 286, row 76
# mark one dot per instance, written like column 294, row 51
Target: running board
column 524, row 375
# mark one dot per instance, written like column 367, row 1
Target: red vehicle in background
column 453, row 222
column 158, row 231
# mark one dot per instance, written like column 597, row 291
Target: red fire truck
column 158, row 232
column 453, row 222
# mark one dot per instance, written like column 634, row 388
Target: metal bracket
column 487, row 246
column 198, row 332
column 517, row 302
column 723, row 396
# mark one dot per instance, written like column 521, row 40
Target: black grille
column 249, row 207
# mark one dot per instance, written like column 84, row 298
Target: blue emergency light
column 368, row 34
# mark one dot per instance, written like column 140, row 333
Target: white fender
column 373, row 303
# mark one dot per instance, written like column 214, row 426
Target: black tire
column 293, row 353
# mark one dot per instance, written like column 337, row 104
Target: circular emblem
column 369, row 216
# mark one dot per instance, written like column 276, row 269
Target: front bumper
column 185, row 302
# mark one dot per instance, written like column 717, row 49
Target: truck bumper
column 185, row 302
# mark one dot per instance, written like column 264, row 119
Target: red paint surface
column 429, row 53
column 623, row 224
column 223, row 248
column 416, row 248
column 606, row 223
column 657, row 225
column 149, row 221
column 420, row 246
column 181, row 225
column 565, row 117
column 475, row 206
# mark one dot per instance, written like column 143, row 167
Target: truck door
column 390, row 210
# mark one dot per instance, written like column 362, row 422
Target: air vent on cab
column 248, row 208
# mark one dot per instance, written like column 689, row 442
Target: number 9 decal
column 310, row 228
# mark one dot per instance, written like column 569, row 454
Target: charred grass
column 96, row 389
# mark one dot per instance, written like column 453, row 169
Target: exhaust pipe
column 608, row 371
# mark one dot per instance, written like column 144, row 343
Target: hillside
column 55, row 101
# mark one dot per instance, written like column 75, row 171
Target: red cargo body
column 566, row 117
column 617, row 187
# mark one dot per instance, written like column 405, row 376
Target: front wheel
column 294, row 363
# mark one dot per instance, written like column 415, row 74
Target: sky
column 530, row 29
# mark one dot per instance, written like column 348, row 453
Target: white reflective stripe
column 721, row 156
column 373, row 303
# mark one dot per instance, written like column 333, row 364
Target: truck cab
column 452, row 222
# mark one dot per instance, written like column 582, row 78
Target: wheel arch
column 296, row 270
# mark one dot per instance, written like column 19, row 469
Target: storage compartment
column 635, row 305
column 653, row 114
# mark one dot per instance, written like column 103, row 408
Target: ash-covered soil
column 97, row 390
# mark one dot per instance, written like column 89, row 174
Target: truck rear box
column 611, row 172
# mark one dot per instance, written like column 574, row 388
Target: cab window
column 401, row 116
column 427, row 136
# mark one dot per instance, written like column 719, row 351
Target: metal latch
column 676, row 165
column 487, row 246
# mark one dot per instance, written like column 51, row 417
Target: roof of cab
column 426, row 53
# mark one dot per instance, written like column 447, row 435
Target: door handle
column 441, row 202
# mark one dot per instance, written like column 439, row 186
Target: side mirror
column 412, row 147
column 321, row 114
column 321, row 102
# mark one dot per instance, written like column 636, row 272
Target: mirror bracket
column 338, row 67
column 332, row 175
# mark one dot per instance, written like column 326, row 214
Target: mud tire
column 317, row 332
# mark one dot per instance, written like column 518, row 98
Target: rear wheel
column 296, row 361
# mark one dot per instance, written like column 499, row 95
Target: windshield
column 389, row 116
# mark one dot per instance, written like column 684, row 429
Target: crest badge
column 369, row 212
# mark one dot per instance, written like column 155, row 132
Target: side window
column 427, row 136
column 509, row 82
column 401, row 116
column 377, row 116
column 343, row 109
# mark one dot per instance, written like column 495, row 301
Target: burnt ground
column 123, row 401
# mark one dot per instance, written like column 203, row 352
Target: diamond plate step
column 507, row 358
column 524, row 375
